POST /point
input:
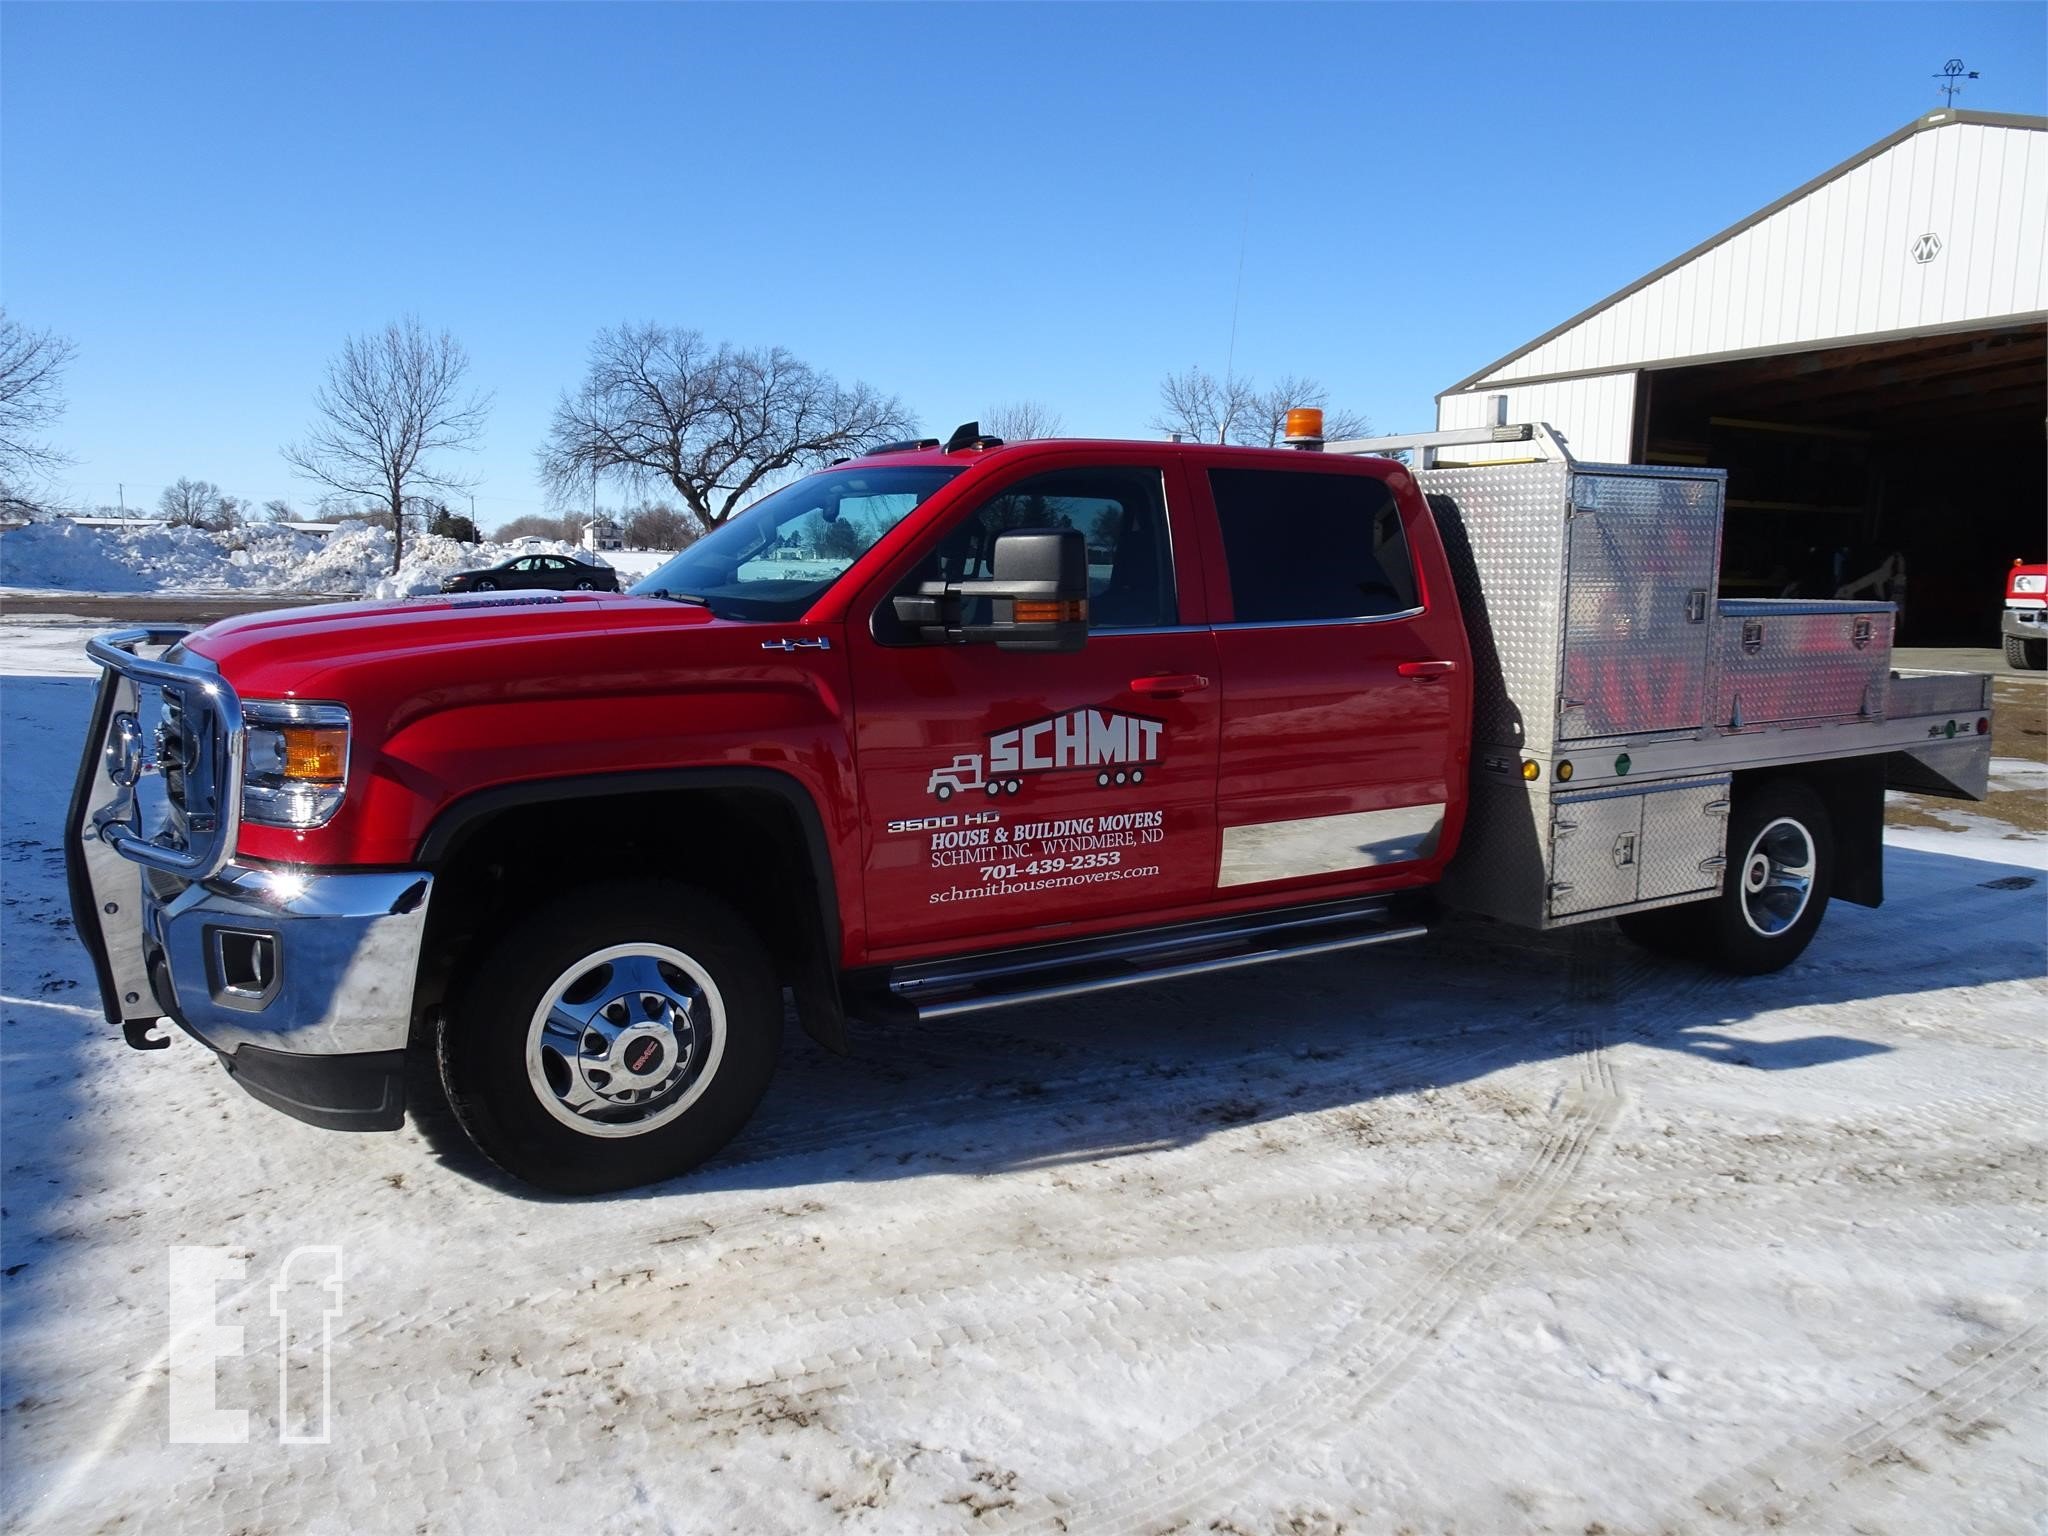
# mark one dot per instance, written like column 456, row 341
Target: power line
column 1244, row 235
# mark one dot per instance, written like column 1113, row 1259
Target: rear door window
column 1305, row 546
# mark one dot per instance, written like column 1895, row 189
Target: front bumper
column 2026, row 623
column 302, row 981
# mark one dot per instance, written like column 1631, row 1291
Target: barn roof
column 1498, row 372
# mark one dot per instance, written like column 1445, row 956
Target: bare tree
column 1200, row 406
column 533, row 525
column 31, row 397
column 278, row 510
column 663, row 406
column 655, row 525
column 1203, row 408
column 389, row 404
column 198, row 504
column 1022, row 421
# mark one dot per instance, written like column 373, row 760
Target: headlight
column 294, row 762
column 2030, row 583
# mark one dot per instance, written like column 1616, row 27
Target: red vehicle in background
column 2025, row 623
column 948, row 728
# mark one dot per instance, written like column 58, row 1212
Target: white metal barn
column 1868, row 359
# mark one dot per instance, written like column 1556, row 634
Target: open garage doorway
column 1909, row 467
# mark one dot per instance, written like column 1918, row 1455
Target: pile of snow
column 353, row 560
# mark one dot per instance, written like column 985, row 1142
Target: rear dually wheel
column 1781, row 871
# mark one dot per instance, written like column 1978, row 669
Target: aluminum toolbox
column 1545, row 855
column 1587, row 591
column 1782, row 662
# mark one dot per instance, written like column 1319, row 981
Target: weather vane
column 1952, row 76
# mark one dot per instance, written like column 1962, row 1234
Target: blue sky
column 960, row 204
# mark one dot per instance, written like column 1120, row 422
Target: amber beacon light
column 1304, row 427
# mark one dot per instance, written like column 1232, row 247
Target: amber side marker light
column 313, row 752
column 1532, row 771
column 1564, row 771
column 1035, row 611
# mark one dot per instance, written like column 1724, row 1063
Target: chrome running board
column 1042, row 973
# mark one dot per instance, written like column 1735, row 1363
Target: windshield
column 772, row 560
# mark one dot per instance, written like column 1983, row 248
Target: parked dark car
column 557, row 572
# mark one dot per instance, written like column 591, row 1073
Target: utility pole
column 1952, row 76
column 120, row 495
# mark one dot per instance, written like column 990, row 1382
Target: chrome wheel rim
column 1777, row 877
column 625, row 1040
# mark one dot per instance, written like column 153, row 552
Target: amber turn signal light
column 314, row 752
column 1532, row 771
column 1039, row 611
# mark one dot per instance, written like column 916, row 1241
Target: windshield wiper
column 678, row 597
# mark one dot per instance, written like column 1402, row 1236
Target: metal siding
column 1839, row 262
column 2030, row 283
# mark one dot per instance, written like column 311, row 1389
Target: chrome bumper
column 2026, row 623
column 302, row 981
column 310, row 964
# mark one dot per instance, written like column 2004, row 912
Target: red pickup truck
column 2025, row 622
column 954, row 727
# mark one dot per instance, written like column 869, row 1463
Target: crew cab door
column 1010, row 794
column 1346, row 675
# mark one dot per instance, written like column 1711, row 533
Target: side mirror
column 1039, row 594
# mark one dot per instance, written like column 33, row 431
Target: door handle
column 1171, row 686
column 1426, row 669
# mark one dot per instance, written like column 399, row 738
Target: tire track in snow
column 1953, row 1393
column 1371, row 1358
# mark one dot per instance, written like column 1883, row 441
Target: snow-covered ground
column 64, row 556
column 1490, row 1233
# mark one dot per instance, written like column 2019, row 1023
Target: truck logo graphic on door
column 1117, row 748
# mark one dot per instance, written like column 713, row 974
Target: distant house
column 601, row 533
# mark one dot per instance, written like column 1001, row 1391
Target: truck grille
column 170, row 743
column 184, row 729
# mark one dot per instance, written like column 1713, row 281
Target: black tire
column 586, row 586
column 1720, row 932
column 484, row 586
column 484, row 1037
column 2024, row 655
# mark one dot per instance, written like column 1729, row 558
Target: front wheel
column 1781, row 871
column 2024, row 655
column 617, row 1036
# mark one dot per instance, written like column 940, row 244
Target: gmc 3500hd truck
column 951, row 727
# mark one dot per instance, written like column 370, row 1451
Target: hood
column 285, row 653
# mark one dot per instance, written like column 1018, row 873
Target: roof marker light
column 1305, row 427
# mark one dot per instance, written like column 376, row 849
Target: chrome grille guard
column 209, row 771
